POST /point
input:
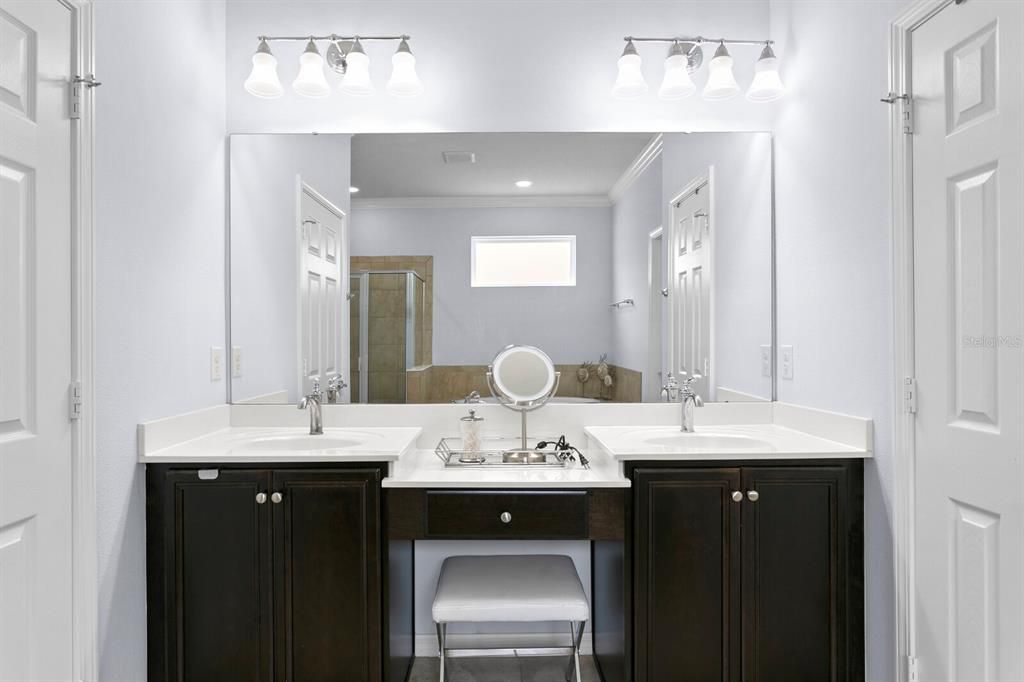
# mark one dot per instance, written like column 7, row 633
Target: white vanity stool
column 519, row 588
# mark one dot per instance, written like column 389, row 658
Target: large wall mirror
column 391, row 268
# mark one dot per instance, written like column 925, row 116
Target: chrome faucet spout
column 688, row 400
column 312, row 402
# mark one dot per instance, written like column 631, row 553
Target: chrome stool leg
column 577, row 639
column 442, row 631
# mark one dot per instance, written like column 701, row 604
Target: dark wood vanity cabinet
column 264, row 574
column 747, row 572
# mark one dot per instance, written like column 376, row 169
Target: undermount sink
column 706, row 441
column 274, row 443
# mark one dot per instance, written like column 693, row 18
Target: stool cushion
column 517, row 588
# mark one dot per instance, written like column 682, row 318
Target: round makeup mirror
column 523, row 376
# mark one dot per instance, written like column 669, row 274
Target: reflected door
column 968, row 299
column 35, row 341
column 690, row 263
column 323, row 293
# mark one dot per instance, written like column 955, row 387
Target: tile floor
column 503, row 669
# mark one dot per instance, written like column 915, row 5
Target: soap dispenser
column 470, row 427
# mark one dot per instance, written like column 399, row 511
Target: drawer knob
column 276, row 498
column 261, row 498
column 737, row 496
column 752, row 495
column 505, row 517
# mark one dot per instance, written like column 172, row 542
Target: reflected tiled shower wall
column 388, row 298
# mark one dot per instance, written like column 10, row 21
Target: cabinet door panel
column 687, row 549
column 327, row 575
column 794, row 563
column 216, row 577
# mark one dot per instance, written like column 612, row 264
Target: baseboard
column 426, row 645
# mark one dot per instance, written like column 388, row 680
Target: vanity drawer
column 499, row 514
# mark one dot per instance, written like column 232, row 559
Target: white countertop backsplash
column 205, row 436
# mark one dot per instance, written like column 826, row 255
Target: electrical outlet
column 216, row 363
column 786, row 353
column 766, row 361
column 236, row 361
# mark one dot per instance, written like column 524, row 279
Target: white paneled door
column 969, row 352
column 323, row 292
column 690, row 268
column 35, row 341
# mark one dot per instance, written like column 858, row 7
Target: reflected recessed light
column 353, row 190
column 523, row 184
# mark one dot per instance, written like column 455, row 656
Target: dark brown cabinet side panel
column 209, row 564
column 686, row 574
column 327, row 575
column 796, row 570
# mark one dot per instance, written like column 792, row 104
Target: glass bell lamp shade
column 356, row 80
column 311, row 81
column 677, row 83
column 630, row 82
column 766, row 86
column 721, row 83
column 404, row 82
column 263, row 81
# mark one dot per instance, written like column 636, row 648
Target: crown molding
column 646, row 157
column 537, row 201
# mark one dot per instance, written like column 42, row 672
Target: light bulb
column 357, row 81
column 263, row 81
column 721, row 83
column 677, row 83
column 311, row 81
column 766, row 86
column 404, row 82
column 630, row 82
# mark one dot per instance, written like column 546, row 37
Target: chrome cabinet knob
column 261, row 498
column 737, row 496
column 752, row 495
column 505, row 517
column 276, row 498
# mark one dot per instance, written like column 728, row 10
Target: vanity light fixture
column 523, row 184
column 721, row 81
column 353, row 189
column 685, row 56
column 345, row 55
column 263, row 81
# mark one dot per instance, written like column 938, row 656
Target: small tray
column 497, row 451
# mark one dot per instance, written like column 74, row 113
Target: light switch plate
column 766, row 361
column 786, row 358
column 236, row 361
column 216, row 363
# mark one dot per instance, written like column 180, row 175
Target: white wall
column 571, row 324
column 159, row 254
column 263, row 248
column 504, row 65
column 832, row 216
column 635, row 215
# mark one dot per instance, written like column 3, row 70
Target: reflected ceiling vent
column 459, row 157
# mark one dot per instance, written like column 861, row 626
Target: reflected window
column 523, row 261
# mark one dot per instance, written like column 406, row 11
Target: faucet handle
column 336, row 383
column 315, row 392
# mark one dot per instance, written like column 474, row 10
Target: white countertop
column 724, row 442
column 423, row 469
column 235, row 444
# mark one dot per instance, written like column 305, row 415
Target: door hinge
column 912, row 669
column 75, row 93
column 906, row 104
column 910, row 395
column 75, row 401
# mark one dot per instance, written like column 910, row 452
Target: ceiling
column 558, row 164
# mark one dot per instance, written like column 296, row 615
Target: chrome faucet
column 335, row 385
column 687, row 398
column 312, row 401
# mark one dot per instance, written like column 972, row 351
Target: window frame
column 510, row 239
